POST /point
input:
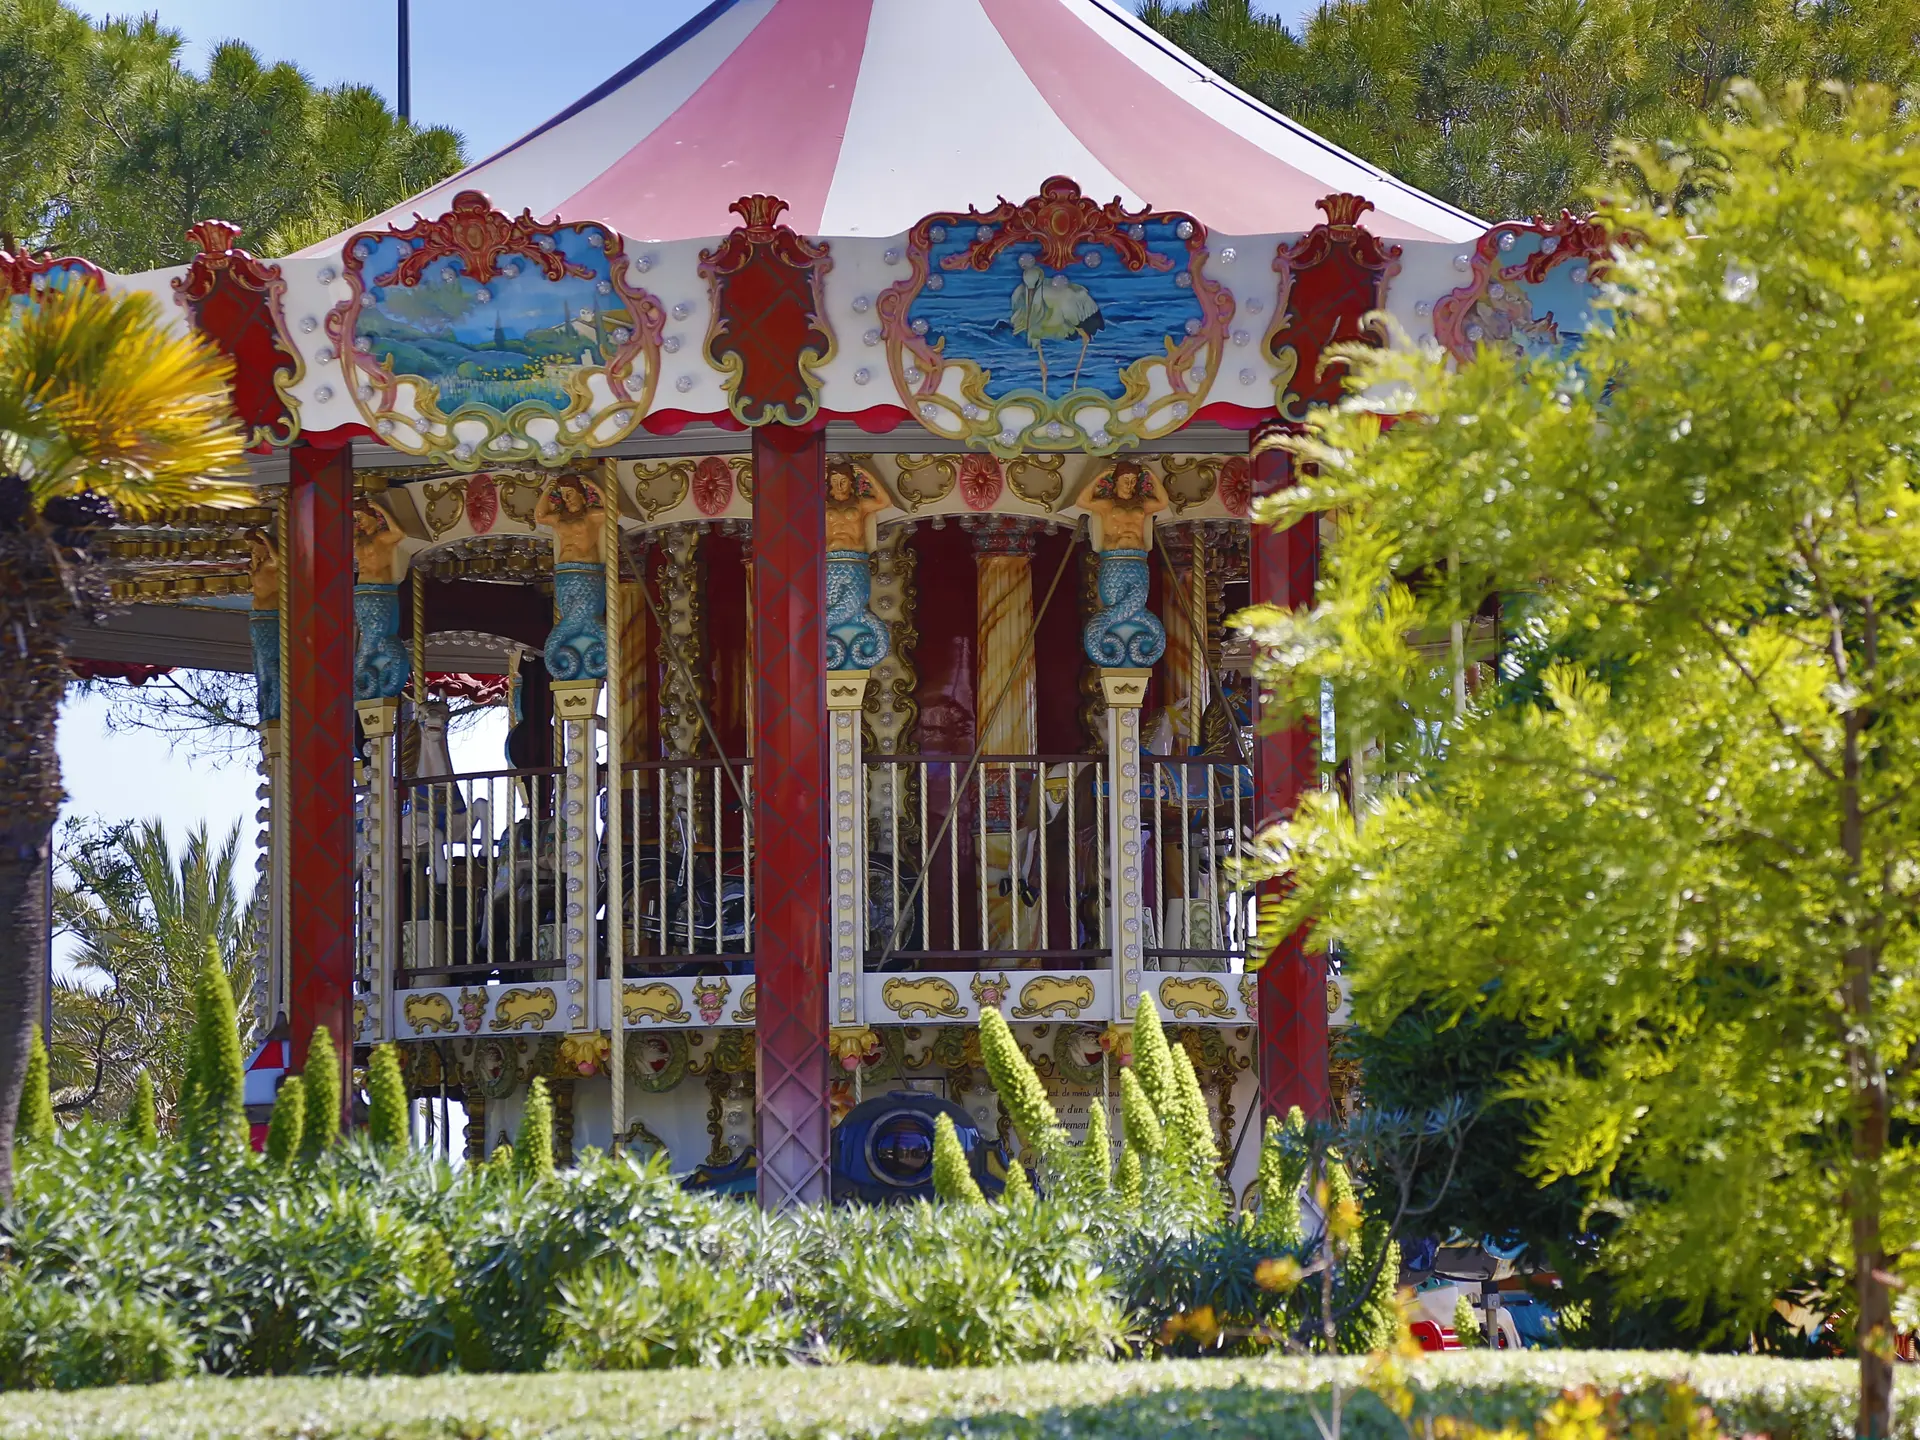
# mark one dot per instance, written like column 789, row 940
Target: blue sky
column 478, row 66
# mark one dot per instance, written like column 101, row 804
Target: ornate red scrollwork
column 769, row 332
column 24, row 274
column 1058, row 219
column 480, row 237
column 1494, row 306
column 1331, row 279
column 236, row 301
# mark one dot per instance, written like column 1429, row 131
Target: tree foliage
column 1682, row 829
column 139, row 918
column 322, row 1083
column 1511, row 109
column 213, row 1111
column 111, row 148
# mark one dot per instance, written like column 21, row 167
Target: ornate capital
column 1002, row 534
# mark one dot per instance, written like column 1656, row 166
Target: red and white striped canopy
column 865, row 115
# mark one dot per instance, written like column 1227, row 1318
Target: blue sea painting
column 1017, row 319
column 519, row 337
column 1568, row 302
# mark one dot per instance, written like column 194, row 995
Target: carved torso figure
column 1125, row 500
column 263, row 570
column 376, row 545
column 575, row 513
column 851, row 499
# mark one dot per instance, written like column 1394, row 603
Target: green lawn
column 1144, row 1400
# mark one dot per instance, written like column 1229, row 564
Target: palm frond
column 96, row 392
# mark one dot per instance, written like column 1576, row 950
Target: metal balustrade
column 1197, row 814
column 1007, row 865
column 687, row 870
column 479, row 877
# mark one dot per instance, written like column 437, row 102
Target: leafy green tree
column 387, row 1126
column 35, row 1125
column 1694, row 849
column 109, row 147
column 288, row 1124
column 1510, row 110
column 322, row 1077
column 140, row 917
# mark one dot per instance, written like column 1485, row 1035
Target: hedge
column 1783, row 1399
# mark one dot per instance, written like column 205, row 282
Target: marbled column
column 1003, row 549
column 684, row 687
column 891, row 711
column 576, row 940
column 379, row 852
column 1177, row 543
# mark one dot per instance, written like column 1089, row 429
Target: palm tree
column 141, row 920
column 103, row 412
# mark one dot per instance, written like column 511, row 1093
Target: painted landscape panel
column 518, row 338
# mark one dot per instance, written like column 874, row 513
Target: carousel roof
column 864, row 115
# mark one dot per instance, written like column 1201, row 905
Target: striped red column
column 789, row 812
column 317, row 713
column 1293, row 983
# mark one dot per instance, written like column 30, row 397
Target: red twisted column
column 1293, row 983
column 789, row 811
column 317, row 714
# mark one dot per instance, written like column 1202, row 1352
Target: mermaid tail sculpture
column 577, row 644
column 856, row 640
column 380, row 663
column 1124, row 632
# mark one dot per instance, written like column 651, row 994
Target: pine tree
column 1283, row 1166
column 1095, row 1155
column 288, row 1126
column 1139, row 1126
column 1021, row 1093
column 142, row 1122
column 952, row 1180
column 214, row 1118
column 1152, row 1060
column 387, row 1102
column 35, row 1125
column 1019, row 1189
column 1129, row 1180
column 533, row 1149
column 322, row 1077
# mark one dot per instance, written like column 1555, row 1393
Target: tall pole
column 616, row 806
column 406, row 67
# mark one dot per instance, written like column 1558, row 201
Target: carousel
column 846, row 496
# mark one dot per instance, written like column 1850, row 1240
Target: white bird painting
column 1052, row 307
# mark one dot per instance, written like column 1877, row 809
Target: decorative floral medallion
column 1531, row 289
column 656, row 1062
column 483, row 504
column 989, row 991
column 981, row 481
column 476, row 338
column 712, row 484
column 710, row 999
column 1235, row 486
column 1058, row 324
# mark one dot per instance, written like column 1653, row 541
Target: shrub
column 387, row 1128
column 322, row 1077
column 1466, row 1322
column 288, row 1123
column 1095, row 1168
column 952, row 1180
column 52, row 1337
column 611, row 1317
column 533, row 1150
column 1139, row 1126
column 1129, row 1184
column 1020, row 1088
column 35, row 1123
column 213, row 1112
column 1152, row 1058
column 1019, row 1189
column 142, row 1124
column 1283, row 1169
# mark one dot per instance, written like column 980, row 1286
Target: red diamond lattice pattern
column 789, row 813
column 1293, row 983
column 318, row 712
